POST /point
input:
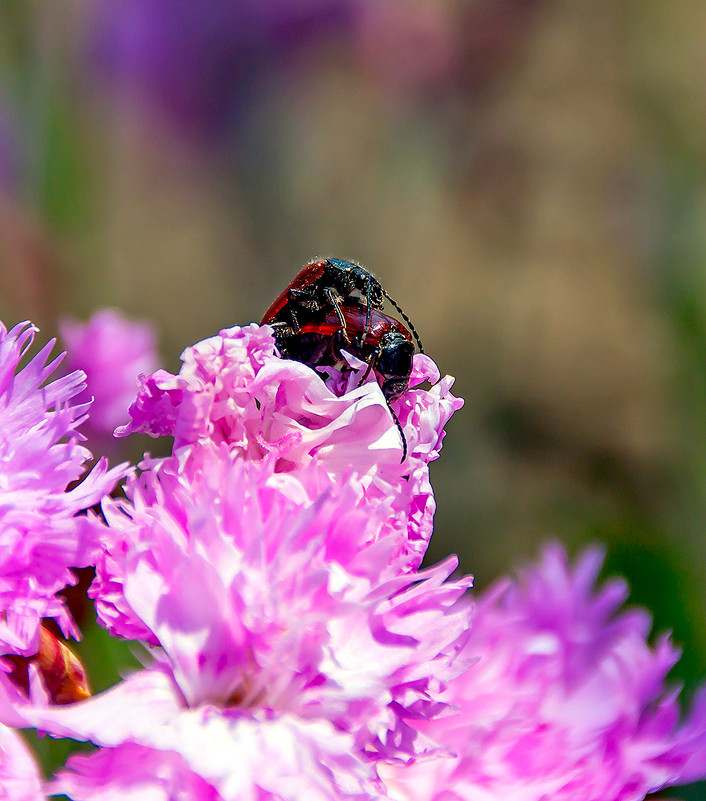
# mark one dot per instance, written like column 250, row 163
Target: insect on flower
column 334, row 305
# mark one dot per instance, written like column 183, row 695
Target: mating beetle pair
column 334, row 305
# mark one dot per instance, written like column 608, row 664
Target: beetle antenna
column 402, row 436
column 407, row 320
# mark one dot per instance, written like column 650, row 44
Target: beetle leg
column 367, row 311
column 282, row 329
column 298, row 298
column 371, row 364
column 333, row 299
column 283, row 333
column 303, row 299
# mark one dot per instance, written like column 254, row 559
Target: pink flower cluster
column 270, row 567
column 41, row 534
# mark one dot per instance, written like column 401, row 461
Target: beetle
column 384, row 344
column 333, row 305
column 329, row 283
column 387, row 347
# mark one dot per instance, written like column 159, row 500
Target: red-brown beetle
column 327, row 284
column 387, row 348
column 334, row 305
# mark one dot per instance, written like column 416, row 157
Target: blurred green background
column 526, row 177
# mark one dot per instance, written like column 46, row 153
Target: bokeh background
column 526, row 177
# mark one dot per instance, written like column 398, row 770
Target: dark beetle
column 327, row 284
column 385, row 345
column 334, row 305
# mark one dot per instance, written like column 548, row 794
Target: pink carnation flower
column 292, row 656
column 41, row 537
column 566, row 701
column 234, row 389
column 19, row 776
column 113, row 351
column 275, row 590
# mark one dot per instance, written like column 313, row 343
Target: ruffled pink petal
column 276, row 590
column 266, row 756
column 132, row 772
column 19, row 775
column 211, row 757
column 131, row 711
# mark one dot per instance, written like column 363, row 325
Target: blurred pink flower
column 567, row 700
column 19, row 775
column 274, row 590
column 112, row 351
column 41, row 536
column 234, row 389
column 203, row 72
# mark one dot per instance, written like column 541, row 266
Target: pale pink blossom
column 239, row 757
column 231, row 754
column 234, row 390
